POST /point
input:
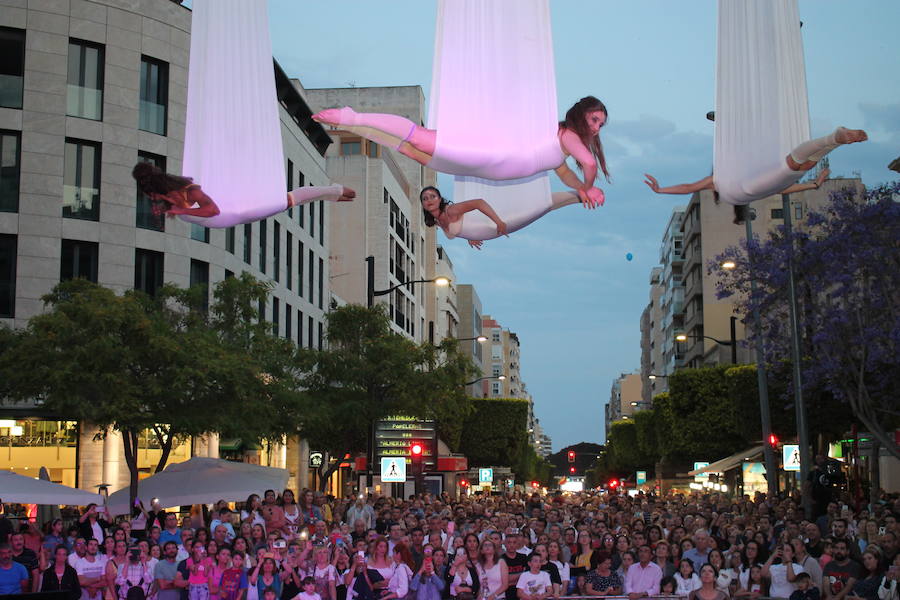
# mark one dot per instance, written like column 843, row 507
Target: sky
column 564, row 284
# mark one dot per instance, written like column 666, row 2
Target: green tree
column 495, row 433
column 367, row 373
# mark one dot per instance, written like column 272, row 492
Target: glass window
column 351, row 148
column 229, row 240
column 321, row 336
column 276, row 315
column 300, row 260
column 322, row 225
column 261, row 310
column 262, row 245
column 288, row 325
column 85, row 90
column 154, row 95
column 145, row 219
column 300, row 328
column 290, row 182
column 79, row 259
column 312, row 220
column 798, row 212
column 7, row 275
column 309, row 332
column 12, row 67
column 229, row 274
column 9, row 170
column 777, row 213
column 289, row 260
column 248, row 241
column 301, row 181
column 312, row 279
column 321, row 282
column 373, row 150
column 276, row 251
column 148, row 270
column 200, row 233
column 200, row 277
column 81, row 181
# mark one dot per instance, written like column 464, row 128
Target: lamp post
column 683, row 337
column 474, row 381
column 480, row 339
column 371, row 292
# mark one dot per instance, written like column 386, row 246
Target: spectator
column 165, row 573
column 601, row 580
column 686, row 580
column 171, row 532
column 6, row 526
column 810, row 565
column 841, row 573
column 534, row 584
column 866, row 588
column 92, row 525
column 516, row 564
column 754, row 586
column 233, row 583
column 781, row 574
column 426, row 584
column 224, row 520
column 92, row 572
column 14, row 578
column 805, row 588
column 60, row 576
column 311, row 512
column 643, row 578
column 699, row 553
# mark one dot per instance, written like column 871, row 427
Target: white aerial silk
column 762, row 111
column 493, row 91
column 232, row 144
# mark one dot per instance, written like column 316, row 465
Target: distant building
column 624, row 398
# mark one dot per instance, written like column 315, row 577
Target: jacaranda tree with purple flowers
column 847, row 265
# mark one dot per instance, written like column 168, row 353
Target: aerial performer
column 577, row 136
column 177, row 195
column 763, row 144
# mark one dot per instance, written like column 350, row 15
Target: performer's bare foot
column 842, row 135
column 347, row 195
column 334, row 116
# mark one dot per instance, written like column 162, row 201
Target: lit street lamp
column 474, row 381
column 371, row 292
column 683, row 337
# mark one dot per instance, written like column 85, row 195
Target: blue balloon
column 629, row 256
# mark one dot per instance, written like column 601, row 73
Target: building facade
column 89, row 88
column 470, row 311
column 503, row 360
column 624, row 398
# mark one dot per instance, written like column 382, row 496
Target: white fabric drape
column 762, row 111
column 232, row 145
column 494, row 89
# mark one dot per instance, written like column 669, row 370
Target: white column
column 212, row 445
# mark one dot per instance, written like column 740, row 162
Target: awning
column 28, row 490
column 730, row 462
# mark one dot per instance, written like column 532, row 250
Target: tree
column 367, row 373
column 495, row 433
column 847, row 265
column 133, row 363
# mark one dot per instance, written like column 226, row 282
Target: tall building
column 447, row 318
column 624, row 398
column 386, row 220
column 503, row 361
column 89, row 88
column 469, row 309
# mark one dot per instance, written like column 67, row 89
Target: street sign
column 641, row 477
column 486, row 476
column 393, row 469
column 790, row 457
column 395, row 436
column 701, row 476
column 315, row 459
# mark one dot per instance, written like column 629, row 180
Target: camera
column 279, row 544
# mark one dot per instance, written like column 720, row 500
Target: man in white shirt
column 92, row 572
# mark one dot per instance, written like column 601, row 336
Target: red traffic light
column 464, row 483
column 773, row 440
column 416, row 449
column 572, row 470
column 613, row 483
column 535, row 484
column 571, row 456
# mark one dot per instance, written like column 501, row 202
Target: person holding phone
column 426, row 584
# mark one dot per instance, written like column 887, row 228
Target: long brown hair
column 575, row 121
column 153, row 180
column 430, row 221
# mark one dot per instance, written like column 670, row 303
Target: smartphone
column 279, row 544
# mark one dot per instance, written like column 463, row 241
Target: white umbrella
column 201, row 480
column 28, row 490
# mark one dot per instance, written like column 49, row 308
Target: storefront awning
column 730, row 462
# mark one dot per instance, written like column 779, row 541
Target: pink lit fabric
column 493, row 90
column 762, row 110
column 232, row 145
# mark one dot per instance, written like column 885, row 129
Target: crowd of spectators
column 503, row 547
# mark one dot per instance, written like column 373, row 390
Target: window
column 262, row 245
column 351, row 148
column 290, row 182
column 12, row 67
column 288, row 314
column 373, row 150
column 144, row 218
column 85, row 91
column 312, row 220
column 321, row 336
column 309, row 332
column 321, row 281
column 154, row 95
column 229, row 240
column 312, row 279
column 261, row 310
column 798, row 212
column 386, row 195
column 777, row 213
column 495, row 388
column 300, row 328
column 81, row 181
column 301, row 181
column 276, row 252
column 229, row 274
column 495, row 371
column 7, row 275
column 289, row 261
column 200, row 277
column 300, row 260
column 248, row 241
column 9, row 168
column 200, row 233
column 276, row 315
column 148, row 270
column 79, row 259
column 322, row 225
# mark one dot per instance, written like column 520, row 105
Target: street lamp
column 728, row 265
column 480, row 339
column 653, row 376
column 474, row 381
column 371, row 292
column 683, row 337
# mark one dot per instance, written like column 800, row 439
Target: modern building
column 624, row 398
column 386, row 220
column 469, row 305
column 652, row 341
column 87, row 89
column 447, row 318
column 503, row 361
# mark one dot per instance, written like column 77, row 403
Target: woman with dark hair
column 867, row 586
column 60, row 576
column 578, row 137
column 177, row 195
column 707, row 589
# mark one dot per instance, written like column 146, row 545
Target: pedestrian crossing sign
column 790, row 457
column 393, row 469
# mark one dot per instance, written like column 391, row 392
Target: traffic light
column 571, row 455
column 535, row 484
column 773, row 440
column 464, row 483
column 613, row 484
column 415, row 449
column 572, row 470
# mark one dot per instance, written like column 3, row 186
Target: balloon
column 629, row 256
